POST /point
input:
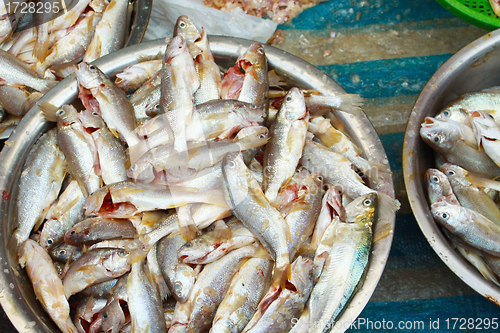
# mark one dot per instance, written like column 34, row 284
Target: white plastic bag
column 236, row 23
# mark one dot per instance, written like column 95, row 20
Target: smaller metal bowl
column 473, row 68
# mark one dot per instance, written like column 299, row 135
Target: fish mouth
column 429, row 121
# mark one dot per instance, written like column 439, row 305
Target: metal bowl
column 473, row 68
column 139, row 23
column 16, row 294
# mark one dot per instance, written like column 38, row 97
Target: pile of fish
column 463, row 192
column 47, row 47
column 219, row 204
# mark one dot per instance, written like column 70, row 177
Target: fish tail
column 49, row 111
column 378, row 172
column 351, row 103
column 281, row 276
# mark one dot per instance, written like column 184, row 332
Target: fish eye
column 177, row 286
column 157, row 106
column 95, row 114
column 253, row 106
column 92, row 67
column 260, row 50
column 60, row 112
column 50, row 241
column 122, row 253
column 288, row 98
column 436, row 139
column 446, row 113
column 451, row 173
column 297, row 171
column 72, row 232
column 262, row 136
column 367, row 202
column 320, row 178
column 133, row 167
column 445, row 216
column 435, row 179
column 62, row 252
column 105, row 315
column 231, row 164
column 182, row 24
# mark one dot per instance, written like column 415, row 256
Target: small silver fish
column 95, row 266
column 287, row 138
column 145, row 307
column 39, row 185
column 47, row 285
column 471, row 227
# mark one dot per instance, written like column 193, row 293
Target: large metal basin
column 16, row 294
column 473, row 68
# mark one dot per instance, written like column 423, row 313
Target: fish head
column 249, row 114
column 436, row 134
column 116, row 261
column 49, row 234
column 67, row 115
column 447, row 214
column 438, row 186
column 255, row 56
column 456, row 114
column 186, row 28
column 64, row 252
column 293, row 106
column 89, row 76
column 176, row 48
column 75, row 235
column 312, row 183
column 456, row 175
column 362, row 209
column 254, row 135
column 184, row 279
column 91, row 120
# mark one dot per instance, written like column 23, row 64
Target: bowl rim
column 465, row 57
column 223, row 48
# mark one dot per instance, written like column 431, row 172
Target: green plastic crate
column 477, row 12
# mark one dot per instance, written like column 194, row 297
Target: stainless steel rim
column 18, row 299
column 432, row 96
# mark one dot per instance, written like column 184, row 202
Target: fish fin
column 187, row 226
column 351, row 103
column 49, row 111
column 262, row 253
column 41, row 48
column 386, row 205
column 221, row 230
column 378, row 171
column 483, row 182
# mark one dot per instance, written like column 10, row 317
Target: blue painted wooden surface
column 416, row 286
